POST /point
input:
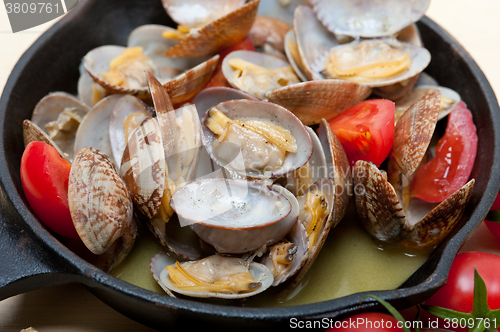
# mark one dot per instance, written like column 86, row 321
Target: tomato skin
column 458, row 292
column 367, row 322
column 44, row 176
column 450, row 169
column 366, row 130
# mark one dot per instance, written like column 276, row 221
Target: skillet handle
column 26, row 261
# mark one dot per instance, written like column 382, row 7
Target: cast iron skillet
column 33, row 258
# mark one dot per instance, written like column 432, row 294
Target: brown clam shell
column 311, row 101
column 98, row 200
column 143, row 167
column 377, row 203
column 438, row 223
column 216, row 36
column 413, row 133
column 187, row 85
column 31, row 132
column 269, row 30
column 340, row 171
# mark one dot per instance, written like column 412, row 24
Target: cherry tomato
column 494, row 224
column 458, row 292
column 366, row 130
column 44, row 176
column 449, row 170
column 218, row 78
column 367, row 322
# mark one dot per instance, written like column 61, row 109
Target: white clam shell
column 359, row 18
column 160, row 261
column 143, row 167
column 261, row 110
column 260, row 59
column 420, row 59
column 94, row 129
column 236, row 216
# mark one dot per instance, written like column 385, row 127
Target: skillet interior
column 40, row 260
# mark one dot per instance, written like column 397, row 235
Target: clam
column 384, row 217
column 120, row 69
column 310, row 46
column 288, row 256
column 99, row 202
column 257, row 73
column 315, row 220
column 218, row 34
column 268, row 34
column 213, row 276
column 293, row 56
column 236, row 216
column 382, row 203
column 375, row 62
column 143, row 167
column 314, row 100
column 339, row 170
column 449, row 98
column 94, row 129
column 242, row 143
column 126, row 115
column 368, row 18
column 209, row 97
column 298, row 181
column 31, row 132
column 59, row 114
column 281, row 9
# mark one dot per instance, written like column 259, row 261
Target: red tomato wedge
column 218, row 78
column 450, row 169
column 44, row 176
column 366, row 130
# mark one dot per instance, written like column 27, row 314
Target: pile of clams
column 242, row 183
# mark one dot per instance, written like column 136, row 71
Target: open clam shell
column 251, row 83
column 293, row 56
column 449, row 98
column 413, row 133
column 31, row 132
column 217, row 35
column 125, row 107
column 313, row 39
column 143, row 167
column 339, row 170
column 219, row 210
column 326, row 188
column 269, row 32
column 59, row 114
column 261, row 110
column 420, row 58
column 212, row 96
column 315, row 100
column 99, row 202
column 185, row 86
column 384, row 217
column 94, row 129
column 368, row 18
column 298, row 237
column 194, row 13
column 150, row 38
column 260, row 274
column 97, row 61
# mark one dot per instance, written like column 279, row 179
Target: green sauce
column 350, row 262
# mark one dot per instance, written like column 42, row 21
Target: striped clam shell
column 98, row 199
column 143, row 167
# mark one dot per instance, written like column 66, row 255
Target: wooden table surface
column 475, row 24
